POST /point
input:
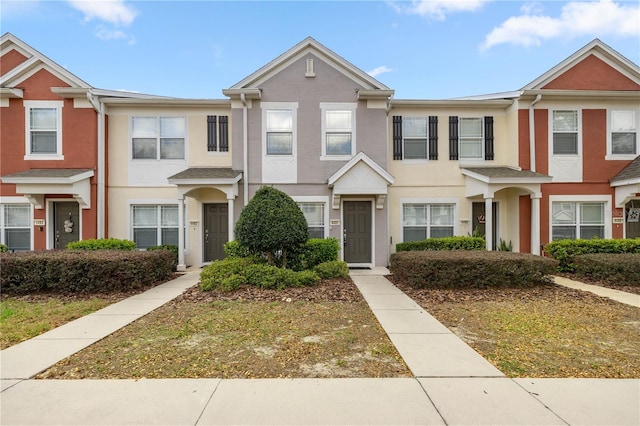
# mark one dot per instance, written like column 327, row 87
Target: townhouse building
column 555, row 159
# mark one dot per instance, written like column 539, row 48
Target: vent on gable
column 310, row 72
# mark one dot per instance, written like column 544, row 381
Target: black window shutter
column 453, row 138
column 488, row 138
column 397, row 137
column 212, row 144
column 224, row 133
column 433, row 137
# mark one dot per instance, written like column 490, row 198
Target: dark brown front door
column 632, row 219
column 479, row 221
column 66, row 223
column 216, row 231
column 357, row 231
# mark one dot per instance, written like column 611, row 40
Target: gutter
column 100, row 173
column 532, row 134
column 245, row 154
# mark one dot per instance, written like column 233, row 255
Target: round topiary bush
column 272, row 225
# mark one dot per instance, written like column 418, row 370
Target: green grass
column 21, row 320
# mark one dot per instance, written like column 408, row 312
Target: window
column 44, row 135
column 414, row 137
column 314, row 213
column 471, row 138
column 217, row 133
column 158, row 138
column 155, row 225
column 422, row 221
column 623, row 132
column 573, row 220
column 338, row 126
column 15, row 224
column 565, row 132
column 279, row 127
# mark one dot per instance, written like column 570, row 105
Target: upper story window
column 43, row 130
column 415, row 138
column 471, row 138
column 15, row 226
column 623, row 133
column 279, row 131
column 338, row 130
column 565, row 132
column 156, row 138
column 217, row 133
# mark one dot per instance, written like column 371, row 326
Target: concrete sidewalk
column 453, row 384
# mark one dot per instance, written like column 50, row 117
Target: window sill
column 415, row 161
column 620, row 156
column 336, row 157
column 43, row 157
column 217, row 153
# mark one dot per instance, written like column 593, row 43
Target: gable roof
column 35, row 62
column 630, row 174
column 308, row 45
column 595, row 48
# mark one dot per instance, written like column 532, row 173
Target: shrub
column 234, row 249
column 471, row 269
column 213, row 275
column 268, row 276
column 333, row 269
column 102, row 244
column 314, row 252
column 566, row 250
column 447, row 243
column 617, row 268
column 271, row 225
column 172, row 248
column 3, row 248
column 83, row 271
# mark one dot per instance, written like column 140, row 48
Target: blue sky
column 422, row 49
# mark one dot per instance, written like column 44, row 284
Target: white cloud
column 380, row 70
column 597, row 19
column 106, row 34
column 438, row 9
column 115, row 12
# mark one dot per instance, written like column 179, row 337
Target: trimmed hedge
column 3, row 248
column 83, row 271
column 448, row 243
column 333, row 269
column 102, row 244
column 566, row 250
column 471, row 269
column 314, row 252
column 229, row 274
column 617, row 268
column 172, row 248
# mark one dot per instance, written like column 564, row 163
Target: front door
column 216, row 231
column 66, row 223
column 479, row 222
column 357, row 232
column 632, row 219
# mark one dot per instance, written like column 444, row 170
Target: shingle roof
column 48, row 173
column 504, row 172
column 207, row 173
column 632, row 171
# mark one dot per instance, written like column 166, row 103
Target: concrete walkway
column 617, row 295
column 452, row 384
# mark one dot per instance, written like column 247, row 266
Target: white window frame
column 426, row 138
column 578, row 132
column 158, row 138
column 461, row 158
column 636, row 115
column 606, row 199
column 28, row 106
column 338, row 106
column 156, row 202
column 6, row 201
column 317, row 200
column 430, row 201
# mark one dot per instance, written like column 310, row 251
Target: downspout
column 245, row 154
column 532, row 134
column 100, row 177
